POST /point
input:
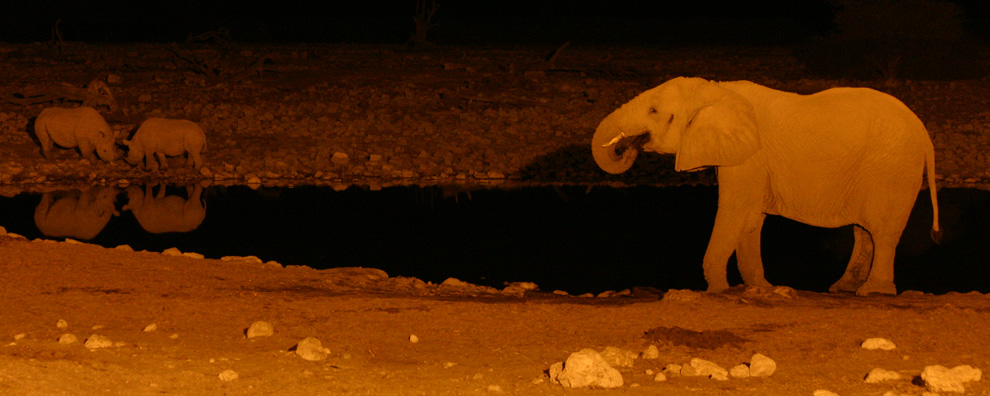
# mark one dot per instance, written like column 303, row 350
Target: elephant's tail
column 930, row 171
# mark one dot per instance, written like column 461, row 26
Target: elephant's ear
column 723, row 132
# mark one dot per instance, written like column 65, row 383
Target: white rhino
column 81, row 127
column 161, row 137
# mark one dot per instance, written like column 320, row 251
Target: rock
column 704, row 368
column 227, row 375
column 822, row 392
column 554, row 372
column 681, row 295
column 660, row 377
column 878, row 343
column 67, row 338
column 249, row 259
column 172, row 252
column 672, row 370
column 651, row 352
column 339, row 158
column 739, row 371
column 97, row 341
column 586, row 368
column 618, row 357
column 940, row 379
column 413, row 339
column 311, row 349
column 150, row 328
column 761, row 366
column 260, row 329
column 879, row 375
column 62, row 324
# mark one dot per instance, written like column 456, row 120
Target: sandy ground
column 464, row 115
column 471, row 341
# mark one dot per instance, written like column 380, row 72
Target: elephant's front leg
column 859, row 263
column 748, row 255
column 725, row 238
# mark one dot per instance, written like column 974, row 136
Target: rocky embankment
column 381, row 115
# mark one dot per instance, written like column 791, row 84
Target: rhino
column 81, row 127
column 161, row 137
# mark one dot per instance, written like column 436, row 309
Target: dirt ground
column 454, row 115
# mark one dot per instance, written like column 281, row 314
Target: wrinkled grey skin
column 81, row 127
column 163, row 137
column 838, row 157
column 81, row 215
column 166, row 213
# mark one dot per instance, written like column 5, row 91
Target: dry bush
column 896, row 39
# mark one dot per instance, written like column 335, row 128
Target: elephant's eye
column 653, row 110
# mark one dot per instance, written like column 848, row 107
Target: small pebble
column 227, row 375
column 413, row 339
column 260, row 329
column 67, row 338
column 97, row 341
column 878, row 343
column 62, row 324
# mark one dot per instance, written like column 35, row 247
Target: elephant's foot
column 717, row 287
column 876, row 287
column 845, row 285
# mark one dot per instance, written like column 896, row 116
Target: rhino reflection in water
column 80, row 214
column 166, row 213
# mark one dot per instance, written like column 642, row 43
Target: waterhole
column 571, row 238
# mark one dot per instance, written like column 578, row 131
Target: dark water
column 568, row 238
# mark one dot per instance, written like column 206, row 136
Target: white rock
column 62, row 324
column 618, row 357
column 554, row 372
column 683, row 295
column 249, row 259
column 227, row 375
column 878, row 343
column 193, row 255
column 67, row 338
column 19, row 336
column 150, row 328
column 822, row 392
column 260, row 329
column 704, row 368
column 311, row 349
column 660, row 377
column 586, row 368
column 172, row 252
column 413, row 338
column 494, row 388
column 528, row 286
column 672, row 370
column 940, row 379
column 761, row 366
column 651, row 352
column 739, row 371
column 96, row 341
column 879, row 375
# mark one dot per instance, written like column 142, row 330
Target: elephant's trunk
column 614, row 149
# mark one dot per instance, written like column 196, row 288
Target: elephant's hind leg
column 859, row 263
column 748, row 254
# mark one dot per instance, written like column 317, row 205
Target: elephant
column 81, row 215
column 81, row 127
column 166, row 213
column 161, row 137
column 834, row 158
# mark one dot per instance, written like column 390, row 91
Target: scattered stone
column 822, row 392
column 704, row 368
column 940, row 379
column 19, row 336
column 62, row 324
column 97, row 341
column 340, row 158
column 193, row 255
column 660, row 377
column 879, row 375
column 681, row 295
column 554, row 371
column 126, row 248
column 586, row 368
column 651, row 352
column 150, row 328
column 311, row 349
column 413, row 338
column 172, row 252
column 68, row 338
column 249, row 259
column 761, row 366
column 739, row 371
column 227, row 375
column 260, row 329
column 878, row 343
column 672, row 370
column 494, row 388
column 72, row 241
column 618, row 357
column 455, row 283
column 448, row 365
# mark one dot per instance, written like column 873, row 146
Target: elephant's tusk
column 615, row 139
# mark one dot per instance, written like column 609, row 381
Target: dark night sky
column 460, row 22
